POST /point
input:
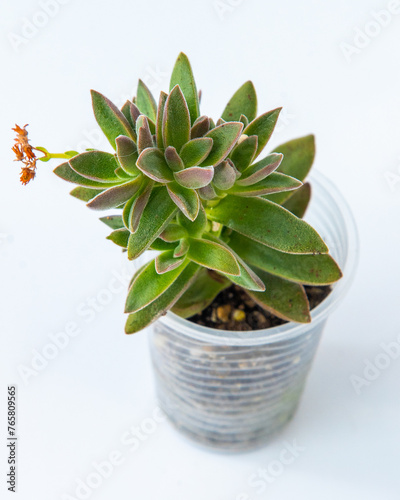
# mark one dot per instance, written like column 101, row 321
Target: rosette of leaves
column 201, row 195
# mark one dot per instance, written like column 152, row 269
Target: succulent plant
column 199, row 194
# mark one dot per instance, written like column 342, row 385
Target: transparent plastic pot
column 234, row 390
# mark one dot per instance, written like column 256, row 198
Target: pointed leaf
column 159, row 121
column 147, row 285
column 139, row 204
column 173, row 160
column 145, row 101
column 152, row 163
column 274, row 183
column 200, row 127
column 182, row 75
column 283, row 298
column 113, row 221
column 155, row 217
column 247, row 278
column 64, row 171
column 258, row 171
column 213, row 256
column 262, row 127
column 126, row 111
column 194, row 177
column 195, row 151
column 84, row 194
column 139, row 320
column 298, row 157
column 115, row 196
column 176, row 120
column 120, row 237
column 244, row 152
column 96, row 165
column 127, row 154
column 201, row 293
column 224, row 138
column 267, row 223
column 306, row 269
column 243, row 102
column 166, row 262
column 110, row 119
column 187, row 200
column 298, row 202
column 144, row 135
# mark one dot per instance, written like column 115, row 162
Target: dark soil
column 233, row 309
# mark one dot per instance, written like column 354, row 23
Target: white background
column 54, row 258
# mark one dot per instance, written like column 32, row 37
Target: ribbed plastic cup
column 234, row 390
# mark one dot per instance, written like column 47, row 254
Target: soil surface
column 233, row 309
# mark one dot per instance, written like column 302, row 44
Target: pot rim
column 318, row 314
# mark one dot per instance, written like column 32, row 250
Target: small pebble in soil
column 233, row 309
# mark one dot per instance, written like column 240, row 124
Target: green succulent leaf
column 244, row 152
column 200, row 127
column 160, row 245
column 213, row 256
column 145, row 101
column 96, row 165
column 110, row 119
column 318, row 269
column 139, row 320
column 173, row 232
column 147, row 285
column 155, row 217
column 262, row 127
column 113, row 221
column 187, row 200
column 194, row 177
column 139, row 203
column 127, row 154
column 176, row 120
column 152, row 163
column 121, row 174
column 194, row 228
column 166, row 262
column 244, row 120
column 84, row 194
column 173, row 160
column 298, row 202
column 243, row 102
column 195, row 151
column 258, row 171
column 64, row 171
column 224, row 176
column 203, row 290
column 115, row 196
column 144, row 134
column 182, row 75
column 224, row 138
column 126, row 111
column 298, row 157
column 120, row 237
column 247, row 278
column 274, row 183
column 283, row 298
column 267, row 223
column 159, row 120
column 182, row 248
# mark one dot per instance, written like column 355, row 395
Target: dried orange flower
column 24, row 152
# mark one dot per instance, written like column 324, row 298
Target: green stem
column 49, row 156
